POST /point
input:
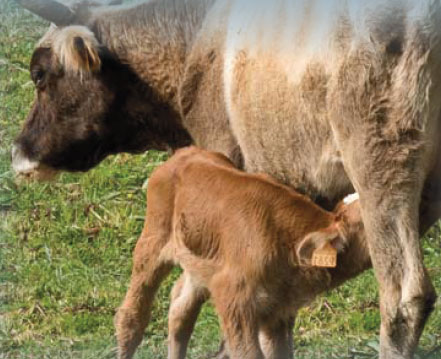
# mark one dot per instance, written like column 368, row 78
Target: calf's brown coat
column 242, row 238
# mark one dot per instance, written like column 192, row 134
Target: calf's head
column 88, row 105
column 346, row 230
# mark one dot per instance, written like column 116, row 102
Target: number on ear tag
column 325, row 257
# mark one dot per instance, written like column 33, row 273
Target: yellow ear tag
column 325, row 257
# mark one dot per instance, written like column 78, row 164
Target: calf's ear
column 316, row 241
column 77, row 50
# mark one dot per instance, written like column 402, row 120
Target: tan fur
column 240, row 237
column 73, row 60
column 201, row 94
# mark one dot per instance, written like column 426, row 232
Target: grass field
column 65, row 252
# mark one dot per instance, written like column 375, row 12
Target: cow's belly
column 276, row 80
column 292, row 68
column 282, row 128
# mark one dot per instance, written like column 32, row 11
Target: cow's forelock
column 74, row 47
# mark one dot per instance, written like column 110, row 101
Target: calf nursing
column 243, row 239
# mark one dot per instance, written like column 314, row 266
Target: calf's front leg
column 236, row 309
column 275, row 338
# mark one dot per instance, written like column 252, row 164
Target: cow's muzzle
column 25, row 167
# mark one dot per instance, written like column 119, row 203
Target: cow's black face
column 66, row 127
column 87, row 110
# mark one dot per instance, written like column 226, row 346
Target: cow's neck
column 153, row 38
column 139, row 119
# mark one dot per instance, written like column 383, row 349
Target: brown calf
column 243, row 239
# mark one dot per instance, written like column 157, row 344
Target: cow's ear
column 78, row 50
column 88, row 57
column 318, row 240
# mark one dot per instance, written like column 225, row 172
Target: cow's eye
column 38, row 77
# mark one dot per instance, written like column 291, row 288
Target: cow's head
column 88, row 105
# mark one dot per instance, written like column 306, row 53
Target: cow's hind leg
column 186, row 303
column 384, row 116
column 430, row 206
column 390, row 189
column 149, row 269
column 406, row 293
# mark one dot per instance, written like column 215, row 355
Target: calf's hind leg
column 149, row 269
column 186, row 302
column 152, row 261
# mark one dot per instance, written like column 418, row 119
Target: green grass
column 65, row 251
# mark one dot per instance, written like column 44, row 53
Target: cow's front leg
column 389, row 180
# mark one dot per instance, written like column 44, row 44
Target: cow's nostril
column 14, row 151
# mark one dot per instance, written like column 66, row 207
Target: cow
column 326, row 96
column 246, row 241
